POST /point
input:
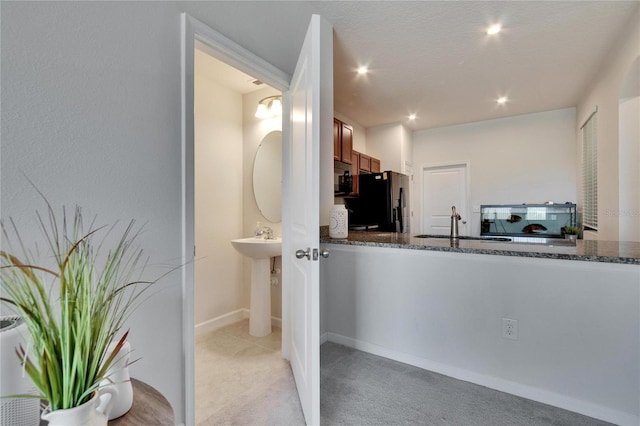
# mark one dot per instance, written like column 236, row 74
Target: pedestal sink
column 260, row 251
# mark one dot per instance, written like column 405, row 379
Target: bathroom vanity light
column 270, row 106
column 494, row 29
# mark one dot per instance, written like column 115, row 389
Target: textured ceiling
column 434, row 59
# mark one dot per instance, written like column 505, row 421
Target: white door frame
column 238, row 57
column 423, row 170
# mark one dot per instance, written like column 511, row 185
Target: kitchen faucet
column 455, row 217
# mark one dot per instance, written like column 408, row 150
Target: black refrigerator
column 383, row 202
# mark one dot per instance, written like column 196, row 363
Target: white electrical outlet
column 510, row 328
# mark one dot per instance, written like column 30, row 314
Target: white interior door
column 443, row 187
column 301, row 281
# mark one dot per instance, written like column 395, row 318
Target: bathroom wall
column 254, row 130
column 219, row 273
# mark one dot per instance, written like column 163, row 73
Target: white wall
column 359, row 132
column 604, row 92
column 578, row 322
column 219, row 275
column 254, row 130
column 523, row 159
column 392, row 144
column 629, row 161
column 91, row 114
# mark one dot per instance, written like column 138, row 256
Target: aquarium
column 527, row 220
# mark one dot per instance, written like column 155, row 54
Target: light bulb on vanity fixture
column 270, row 106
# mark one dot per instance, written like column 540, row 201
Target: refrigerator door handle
column 401, row 210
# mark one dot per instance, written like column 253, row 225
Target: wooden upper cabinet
column 355, row 162
column 375, row 165
column 347, row 143
column 365, row 163
column 342, row 141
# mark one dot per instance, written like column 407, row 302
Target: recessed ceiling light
column 494, row 29
column 363, row 70
column 412, row 117
column 502, row 100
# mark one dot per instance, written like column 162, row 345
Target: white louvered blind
column 590, row 172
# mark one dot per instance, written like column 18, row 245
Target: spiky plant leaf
column 96, row 294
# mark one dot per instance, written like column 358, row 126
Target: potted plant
column 571, row 232
column 73, row 310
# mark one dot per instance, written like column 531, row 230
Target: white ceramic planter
column 94, row 412
column 118, row 378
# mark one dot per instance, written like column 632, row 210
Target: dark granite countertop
column 584, row 250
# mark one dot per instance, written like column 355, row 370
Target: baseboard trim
column 221, row 321
column 324, row 337
column 229, row 318
column 535, row 394
column 276, row 322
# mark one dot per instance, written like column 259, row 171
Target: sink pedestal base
column 260, row 309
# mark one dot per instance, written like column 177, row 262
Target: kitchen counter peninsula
column 443, row 306
column 584, row 250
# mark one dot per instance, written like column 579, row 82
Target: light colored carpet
column 243, row 380
column 275, row 405
column 358, row 388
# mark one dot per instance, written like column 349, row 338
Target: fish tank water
column 527, row 220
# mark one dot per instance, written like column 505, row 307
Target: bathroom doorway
column 232, row 368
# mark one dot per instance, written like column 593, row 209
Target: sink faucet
column 455, row 217
column 265, row 231
column 268, row 233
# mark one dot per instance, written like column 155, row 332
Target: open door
column 309, row 99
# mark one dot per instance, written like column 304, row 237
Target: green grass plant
column 74, row 309
column 572, row 230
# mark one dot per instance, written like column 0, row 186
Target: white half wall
column 219, row 274
column 528, row 158
column 578, row 343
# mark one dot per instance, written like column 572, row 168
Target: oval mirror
column 267, row 176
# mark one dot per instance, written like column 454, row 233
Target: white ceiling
column 435, row 59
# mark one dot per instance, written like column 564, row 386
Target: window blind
column 590, row 172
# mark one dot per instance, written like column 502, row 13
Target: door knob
column 324, row 253
column 303, row 253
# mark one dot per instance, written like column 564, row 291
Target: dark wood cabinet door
column 365, row 163
column 346, row 140
column 375, row 165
